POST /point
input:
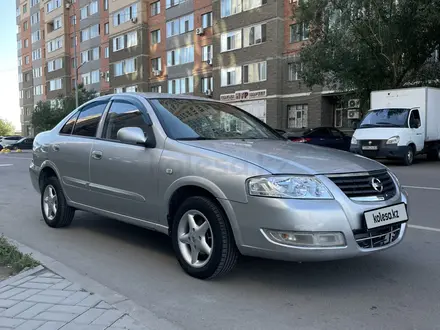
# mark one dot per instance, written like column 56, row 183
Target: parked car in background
column 216, row 179
column 23, row 143
column 321, row 136
column 9, row 139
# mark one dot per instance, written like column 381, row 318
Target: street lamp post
column 69, row 3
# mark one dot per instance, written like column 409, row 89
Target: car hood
column 286, row 157
column 377, row 133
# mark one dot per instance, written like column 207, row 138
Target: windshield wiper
column 387, row 124
column 368, row 125
column 195, row 138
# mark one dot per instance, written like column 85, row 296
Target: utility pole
column 69, row 4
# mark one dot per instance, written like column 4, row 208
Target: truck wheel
column 434, row 154
column 409, row 156
column 202, row 239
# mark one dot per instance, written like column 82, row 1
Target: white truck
column 401, row 124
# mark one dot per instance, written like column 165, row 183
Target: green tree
column 6, row 127
column 46, row 116
column 365, row 45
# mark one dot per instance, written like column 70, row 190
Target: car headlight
column 295, row 187
column 354, row 140
column 395, row 178
column 393, row 140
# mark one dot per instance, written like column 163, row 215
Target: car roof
column 150, row 95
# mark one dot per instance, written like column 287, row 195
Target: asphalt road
column 396, row 289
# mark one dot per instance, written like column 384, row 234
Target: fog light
column 307, row 239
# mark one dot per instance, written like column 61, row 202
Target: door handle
column 419, row 134
column 97, row 155
column 56, row 147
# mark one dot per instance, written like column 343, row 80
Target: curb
column 118, row 301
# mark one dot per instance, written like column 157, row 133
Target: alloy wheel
column 50, row 202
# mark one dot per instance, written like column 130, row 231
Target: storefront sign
column 243, row 96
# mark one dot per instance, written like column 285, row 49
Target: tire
column 62, row 215
column 218, row 237
column 409, row 156
column 434, row 154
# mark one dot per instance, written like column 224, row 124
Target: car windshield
column 386, row 118
column 205, row 120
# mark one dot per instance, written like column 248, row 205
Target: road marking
column 424, row 228
column 25, row 158
column 423, row 188
column 4, row 165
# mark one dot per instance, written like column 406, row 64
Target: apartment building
column 245, row 52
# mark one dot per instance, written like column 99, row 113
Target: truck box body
column 426, row 99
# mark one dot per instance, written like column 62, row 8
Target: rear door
column 70, row 151
column 320, row 136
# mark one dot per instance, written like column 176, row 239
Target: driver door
column 417, row 128
column 123, row 177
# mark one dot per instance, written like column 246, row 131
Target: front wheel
column 409, row 156
column 202, row 239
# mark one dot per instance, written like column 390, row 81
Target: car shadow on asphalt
column 356, row 272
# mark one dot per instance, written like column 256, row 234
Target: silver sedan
column 217, row 180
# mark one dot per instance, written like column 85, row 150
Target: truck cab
column 398, row 127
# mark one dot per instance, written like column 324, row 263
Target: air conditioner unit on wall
column 134, row 20
column 208, row 92
column 354, row 104
column 209, row 61
column 353, row 114
column 200, row 31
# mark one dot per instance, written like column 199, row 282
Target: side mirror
column 132, row 135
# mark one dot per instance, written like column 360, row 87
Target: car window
column 68, row 126
column 123, row 114
column 336, row 133
column 88, row 120
column 414, row 119
column 319, row 132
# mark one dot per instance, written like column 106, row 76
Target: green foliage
column 45, row 116
column 6, row 128
column 361, row 45
column 12, row 258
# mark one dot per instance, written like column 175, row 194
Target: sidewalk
column 40, row 299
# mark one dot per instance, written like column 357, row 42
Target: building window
column 132, row 39
column 207, row 20
column 254, row 35
column 107, row 76
column 85, row 78
column 38, row 72
column 27, row 77
column 156, row 89
column 297, row 116
column 251, row 4
column 36, row 54
column 294, row 70
column 106, row 52
column 28, row 93
column 180, row 25
column 36, row 36
column 181, row 86
column 172, row 3
column 299, row 32
column 125, row 15
column 125, row 67
column 54, row 65
column 338, row 118
column 95, row 76
column 26, row 60
column 57, row 23
column 119, row 90
column 34, row 2
column 231, row 76
column 230, row 7
column 25, row 26
column 90, row 55
column 73, row 20
column 131, row 89
column 19, row 45
column 35, row 18
column 106, row 28
column 207, row 53
column 54, row 44
column 105, row 4
column 93, row 8
column 38, row 90
column 254, row 72
column 156, row 64
column 55, row 84
column 20, row 61
column 207, row 84
column 89, row 33
column 230, row 40
column 155, row 8
column 155, row 37
column 52, row 5
column 25, row 8
column 118, row 43
column 180, row 56
column 26, row 43
column 88, row 10
column 17, row 12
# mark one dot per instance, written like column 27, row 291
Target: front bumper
column 384, row 151
column 338, row 215
column 34, row 172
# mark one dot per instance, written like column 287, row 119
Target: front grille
column 361, row 185
column 370, row 142
column 377, row 237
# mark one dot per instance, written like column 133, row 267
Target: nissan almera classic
column 216, row 179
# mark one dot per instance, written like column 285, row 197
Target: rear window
column 68, row 126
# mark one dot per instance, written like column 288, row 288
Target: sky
column 9, row 94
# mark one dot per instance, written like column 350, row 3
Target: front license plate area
column 369, row 148
column 386, row 216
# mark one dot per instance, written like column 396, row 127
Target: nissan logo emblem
column 377, row 184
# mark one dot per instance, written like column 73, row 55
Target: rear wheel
column 56, row 212
column 409, row 156
column 434, row 154
column 202, row 239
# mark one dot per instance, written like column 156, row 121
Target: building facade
column 245, row 52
